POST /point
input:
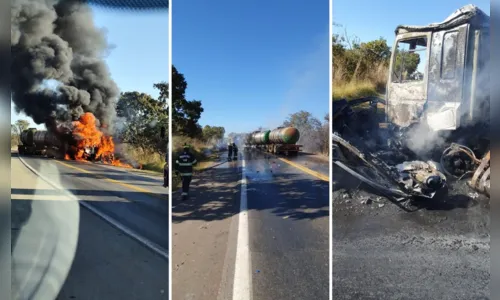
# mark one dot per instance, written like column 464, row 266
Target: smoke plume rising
column 58, row 41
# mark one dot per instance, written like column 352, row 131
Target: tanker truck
column 282, row 140
column 39, row 142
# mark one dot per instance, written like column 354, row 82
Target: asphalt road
column 116, row 261
column 286, row 225
column 439, row 250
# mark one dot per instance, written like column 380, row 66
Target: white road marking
column 147, row 243
column 242, row 286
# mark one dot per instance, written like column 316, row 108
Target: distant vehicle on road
column 282, row 140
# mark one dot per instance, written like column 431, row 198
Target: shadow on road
column 20, row 214
column 216, row 193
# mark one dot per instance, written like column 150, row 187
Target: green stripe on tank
column 266, row 136
column 286, row 138
column 290, row 136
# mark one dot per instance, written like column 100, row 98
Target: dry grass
column 369, row 83
column 353, row 90
column 149, row 160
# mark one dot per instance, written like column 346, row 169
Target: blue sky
column 139, row 57
column 252, row 63
column 370, row 20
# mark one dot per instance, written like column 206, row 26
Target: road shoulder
column 202, row 246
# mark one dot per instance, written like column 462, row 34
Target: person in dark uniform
column 235, row 152
column 185, row 163
column 229, row 151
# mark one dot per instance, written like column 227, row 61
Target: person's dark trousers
column 186, row 180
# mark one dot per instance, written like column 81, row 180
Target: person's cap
column 186, row 146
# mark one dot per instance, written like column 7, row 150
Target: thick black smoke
column 58, row 41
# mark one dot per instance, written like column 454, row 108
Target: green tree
column 303, row 120
column 376, row 51
column 406, row 63
column 355, row 60
column 312, row 131
column 143, row 116
column 22, row 125
column 162, row 87
column 15, row 131
column 213, row 133
column 185, row 114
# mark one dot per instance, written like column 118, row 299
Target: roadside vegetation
column 203, row 141
column 359, row 68
column 15, row 132
column 314, row 133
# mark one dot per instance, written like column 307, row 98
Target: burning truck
column 434, row 125
column 83, row 142
column 282, row 140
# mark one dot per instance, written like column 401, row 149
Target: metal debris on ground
column 403, row 179
column 366, row 201
column 473, row 195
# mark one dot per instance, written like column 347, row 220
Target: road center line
column 242, row 286
column 147, row 243
column 304, row 169
column 132, row 187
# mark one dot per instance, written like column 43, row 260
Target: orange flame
column 90, row 137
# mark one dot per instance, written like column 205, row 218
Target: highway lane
column 314, row 162
column 129, row 204
column 440, row 251
column 127, row 265
column 287, row 230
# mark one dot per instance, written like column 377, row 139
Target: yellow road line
column 304, row 169
column 132, row 187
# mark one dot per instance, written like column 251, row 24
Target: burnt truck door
column 446, row 78
column 407, row 83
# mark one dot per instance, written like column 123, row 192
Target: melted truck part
column 481, row 178
column 409, row 178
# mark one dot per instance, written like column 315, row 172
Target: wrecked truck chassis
column 458, row 161
column 394, row 181
column 406, row 180
column 481, row 178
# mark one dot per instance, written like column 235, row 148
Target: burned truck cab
column 439, row 73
